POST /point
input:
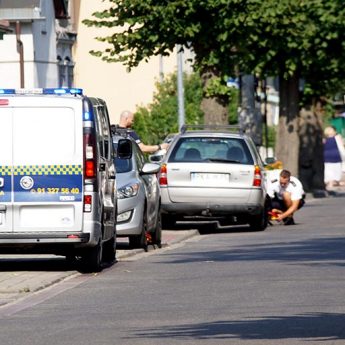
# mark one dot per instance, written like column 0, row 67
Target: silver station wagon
column 213, row 174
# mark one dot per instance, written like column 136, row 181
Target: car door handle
column 2, row 182
column 2, row 208
column 102, row 167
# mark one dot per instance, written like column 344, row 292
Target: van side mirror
column 124, row 149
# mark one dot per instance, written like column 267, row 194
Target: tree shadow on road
column 314, row 252
column 318, row 327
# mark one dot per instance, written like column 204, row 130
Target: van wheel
column 157, row 235
column 91, row 258
column 109, row 251
column 140, row 241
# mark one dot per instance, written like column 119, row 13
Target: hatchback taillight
column 257, row 176
column 163, row 177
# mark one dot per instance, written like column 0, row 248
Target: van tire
column 91, row 258
column 109, row 251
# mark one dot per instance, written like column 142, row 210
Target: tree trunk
column 311, row 163
column 215, row 108
column 250, row 117
column 287, row 143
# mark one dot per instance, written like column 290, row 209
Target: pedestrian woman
column 332, row 158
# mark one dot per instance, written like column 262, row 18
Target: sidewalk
column 22, row 275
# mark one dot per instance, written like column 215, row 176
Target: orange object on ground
column 273, row 215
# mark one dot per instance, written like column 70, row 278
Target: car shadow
column 211, row 227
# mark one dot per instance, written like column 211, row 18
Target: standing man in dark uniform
column 126, row 121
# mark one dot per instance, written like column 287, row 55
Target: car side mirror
column 270, row 160
column 150, row 168
column 124, row 149
column 158, row 156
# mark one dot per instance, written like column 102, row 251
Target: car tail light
column 257, row 176
column 163, row 178
column 4, row 102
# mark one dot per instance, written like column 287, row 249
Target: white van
column 57, row 177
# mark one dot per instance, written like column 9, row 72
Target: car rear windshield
column 210, row 149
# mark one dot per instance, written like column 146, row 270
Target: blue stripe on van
column 48, row 188
column 5, row 191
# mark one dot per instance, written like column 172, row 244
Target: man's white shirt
column 294, row 187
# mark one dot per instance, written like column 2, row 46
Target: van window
column 99, row 124
column 106, row 131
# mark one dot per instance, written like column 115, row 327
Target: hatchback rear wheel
column 157, row 235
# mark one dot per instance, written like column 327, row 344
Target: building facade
column 38, row 50
column 48, row 46
column 122, row 90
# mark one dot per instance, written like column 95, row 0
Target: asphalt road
column 281, row 286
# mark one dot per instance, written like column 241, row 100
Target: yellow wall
column 110, row 81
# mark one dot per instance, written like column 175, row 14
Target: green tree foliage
column 154, row 122
column 294, row 39
column 160, row 117
column 269, row 37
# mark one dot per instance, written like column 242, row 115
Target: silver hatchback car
column 138, row 198
column 213, row 174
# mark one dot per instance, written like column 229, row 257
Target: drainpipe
column 20, row 50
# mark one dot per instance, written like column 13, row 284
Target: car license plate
column 209, row 177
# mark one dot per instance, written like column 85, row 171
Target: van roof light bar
column 229, row 128
column 42, row 91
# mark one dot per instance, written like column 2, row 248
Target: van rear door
column 6, row 208
column 47, row 159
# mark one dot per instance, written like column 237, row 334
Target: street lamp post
column 180, row 88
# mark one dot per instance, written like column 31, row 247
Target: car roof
column 232, row 131
column 212, row 133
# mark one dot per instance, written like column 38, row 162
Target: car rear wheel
column 259, row 222
column 157, row 235
column 168, row 221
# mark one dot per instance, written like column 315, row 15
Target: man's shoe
column 289, row 221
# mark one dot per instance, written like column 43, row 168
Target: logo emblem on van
column 26, row 182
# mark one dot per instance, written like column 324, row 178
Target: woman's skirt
column 333, row 172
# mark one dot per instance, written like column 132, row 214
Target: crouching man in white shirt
column 287, row 196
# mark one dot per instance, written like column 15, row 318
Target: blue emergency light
column 42, row 91
column 7, row 91
column 62, row 91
